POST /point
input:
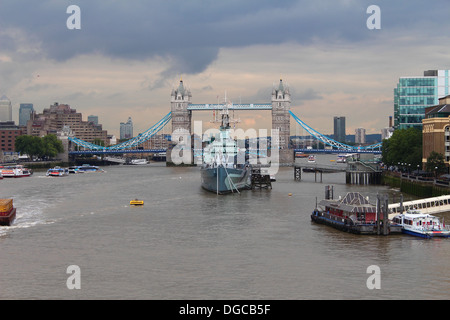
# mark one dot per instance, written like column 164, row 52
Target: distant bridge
column 131, row 145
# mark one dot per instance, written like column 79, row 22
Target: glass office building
column 339, row 129
column 414, row 94
column 25, row 111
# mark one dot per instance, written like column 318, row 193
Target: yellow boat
column 137, row 202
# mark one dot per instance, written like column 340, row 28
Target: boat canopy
column 352, row 202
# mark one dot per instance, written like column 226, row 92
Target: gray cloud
column 189, row 34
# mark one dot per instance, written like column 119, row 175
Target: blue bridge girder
column 333, row 143
column 115, row 151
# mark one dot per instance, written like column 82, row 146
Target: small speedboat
column 57, row 172
column 136, row 202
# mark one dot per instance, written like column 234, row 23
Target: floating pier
column 260, row 180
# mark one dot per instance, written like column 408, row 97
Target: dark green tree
column 51, row 146
column 48, row 146
column 435, row 163
column 405, row 146
column 29, row 145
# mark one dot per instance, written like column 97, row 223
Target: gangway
column 427, row 205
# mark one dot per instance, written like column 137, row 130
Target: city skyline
column 125, row 59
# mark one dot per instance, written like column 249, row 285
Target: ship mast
column 225, row 119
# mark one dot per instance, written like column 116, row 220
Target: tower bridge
column 180, row 116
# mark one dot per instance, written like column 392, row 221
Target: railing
column 435, row 204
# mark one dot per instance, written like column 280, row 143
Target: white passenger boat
column 16, row 172
column 423, row 225
column 88, row 168
column 57, row 172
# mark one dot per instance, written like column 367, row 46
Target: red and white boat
column 16, row 172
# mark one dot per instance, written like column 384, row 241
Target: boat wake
column 27, row 216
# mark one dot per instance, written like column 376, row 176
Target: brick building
column 54, row 118
column 8, row 134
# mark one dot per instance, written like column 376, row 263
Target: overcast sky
column 128, row 55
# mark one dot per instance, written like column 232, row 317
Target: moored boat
column 312, row 159
column 57, row 172
column 422, row 225
column 7, row 212
column 159, row 157
column 353, row 214
column 341, row 159
column 224, row 169
column 138, row 161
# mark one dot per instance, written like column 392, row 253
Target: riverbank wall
column 412, row 185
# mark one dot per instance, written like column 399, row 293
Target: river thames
column 187, row 243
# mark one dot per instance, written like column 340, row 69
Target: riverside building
column 413, row 94
column 8, row 134
column 436, row 130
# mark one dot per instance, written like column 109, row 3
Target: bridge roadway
column 427, row 205
column 338, row 151
column 240, row 106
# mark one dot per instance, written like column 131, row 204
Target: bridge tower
column 180, row 99
column 281, row 105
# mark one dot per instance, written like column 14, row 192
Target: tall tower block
column 281, row 104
